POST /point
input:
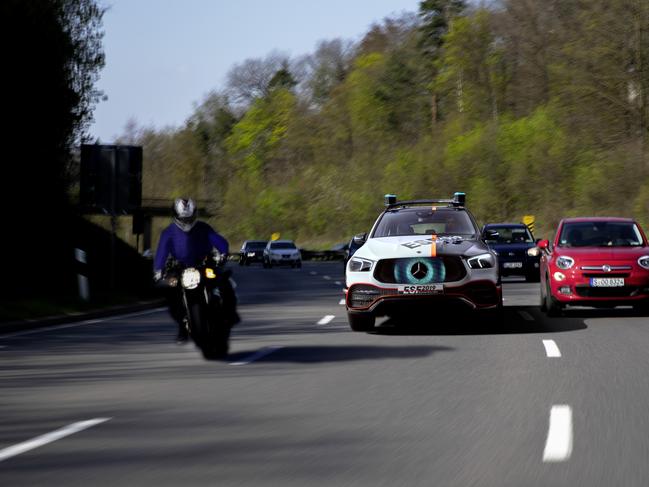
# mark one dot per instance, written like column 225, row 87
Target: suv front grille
column 361, row 295
column 399, row 271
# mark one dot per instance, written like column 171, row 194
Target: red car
column 600, row 262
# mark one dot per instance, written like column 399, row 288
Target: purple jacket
column 189, row 248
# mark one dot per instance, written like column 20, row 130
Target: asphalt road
column 433, row 400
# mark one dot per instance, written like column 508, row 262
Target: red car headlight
column 644, row 262
column 565, row 262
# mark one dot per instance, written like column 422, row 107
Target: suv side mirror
column 360, row 239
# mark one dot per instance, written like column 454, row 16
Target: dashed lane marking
column 257, row 355
column 526, row 316
column 338, row 283
column 551, row 348
column 341, row 302
column 81, row 323
column 327, row 278
column 326, row 319
column 68, row 430
column 558, row 446
column 313, row 273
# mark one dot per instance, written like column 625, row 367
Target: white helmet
column 185, row 213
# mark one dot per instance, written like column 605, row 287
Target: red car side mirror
column 543, row 244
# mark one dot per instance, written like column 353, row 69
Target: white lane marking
column 68, row 430
column 313, row 273
column 81, row 323
column 338, row 283
column 551, row 348
column 341, row 302
column 326, row 319
column 558, row 446
column 328, row 278
column 526, row 316
column 257, row 355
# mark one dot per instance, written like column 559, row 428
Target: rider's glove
column 157, row 276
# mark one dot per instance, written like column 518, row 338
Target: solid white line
column 326, row 278
column 80, row 323
column 68, row 430
column 526, row 316
column 256, row 356
column 341, row 302
column 558, row 446
column 551, row 348
column 326, row 319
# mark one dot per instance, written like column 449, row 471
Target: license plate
column 251, row 254
column 285, row 256
column 422, row 289
column 512, row 265
column 607, row 282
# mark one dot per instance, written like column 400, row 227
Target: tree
column 52, row 54
column 328, row 67
column 471, row 67
column 251, row 78
column 282, row 79
column 436, row 16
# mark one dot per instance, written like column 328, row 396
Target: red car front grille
column 607, row 292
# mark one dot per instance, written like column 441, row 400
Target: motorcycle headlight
column 360, row 265
column 565, row 262
column 190, row 278
column 644, row 262
column 482, row 261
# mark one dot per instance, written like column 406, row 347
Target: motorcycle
column 202, row 299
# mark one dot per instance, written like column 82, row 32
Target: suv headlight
column 534, row 251
column 482, row 261
column 191, row 278
column 356, row 264
column 565, row 262
column 644, row 262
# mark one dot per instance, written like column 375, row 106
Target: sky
column 164, row 56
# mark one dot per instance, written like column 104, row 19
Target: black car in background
column 516, row 249
column 252, row 251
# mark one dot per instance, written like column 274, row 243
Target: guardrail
column 310, row 255
column 322, row 255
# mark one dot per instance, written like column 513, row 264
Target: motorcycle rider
column 189, row 241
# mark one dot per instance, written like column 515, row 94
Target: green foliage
column 530, row 107
column 436, row 16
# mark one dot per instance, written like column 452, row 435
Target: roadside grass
column 37, row 308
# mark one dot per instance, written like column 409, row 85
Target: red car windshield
column 600, row 234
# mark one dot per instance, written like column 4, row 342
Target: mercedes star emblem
column 419, row 271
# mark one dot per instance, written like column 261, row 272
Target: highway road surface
column 432, row 400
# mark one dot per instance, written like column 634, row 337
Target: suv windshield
column 282, row 245
column 600, row 234
column 509, row 235
column 424, row 221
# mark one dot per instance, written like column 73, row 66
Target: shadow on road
column 591, row 313
column 344, row 353
column 514, row 323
